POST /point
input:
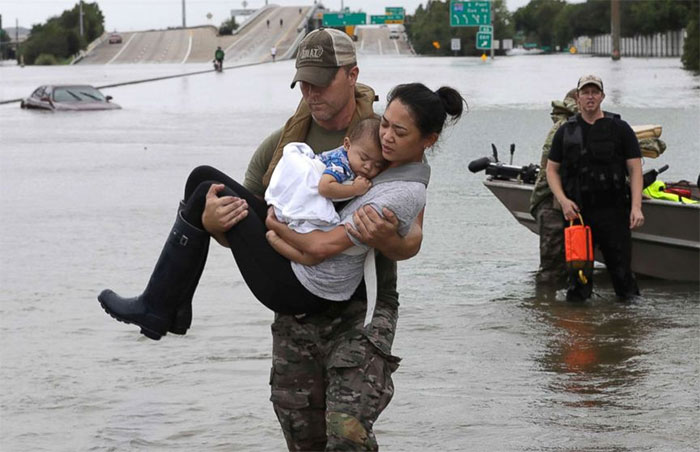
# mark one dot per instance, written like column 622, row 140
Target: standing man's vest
column 596, row 169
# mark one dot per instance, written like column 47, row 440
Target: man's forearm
column 634, row 168
column 554, row 181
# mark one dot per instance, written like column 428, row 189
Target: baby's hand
column 361, row 185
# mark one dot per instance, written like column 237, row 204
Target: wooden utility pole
column 615, row 28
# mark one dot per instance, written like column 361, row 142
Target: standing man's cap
column 321, row 53
column 590, row 80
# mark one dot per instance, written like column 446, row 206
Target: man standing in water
column 547, row 212
column 331, row 377
column 590, row 158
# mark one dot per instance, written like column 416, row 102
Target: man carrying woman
column 331, row 375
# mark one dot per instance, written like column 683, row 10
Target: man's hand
column 569, row 209
column 222, row 213
column 361, row 185
column 373, row 229
column 636, row 218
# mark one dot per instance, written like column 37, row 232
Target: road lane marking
column 122, row 49
column 189, row 49
column 396, row 44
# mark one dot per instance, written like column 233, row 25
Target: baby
column 303, row 185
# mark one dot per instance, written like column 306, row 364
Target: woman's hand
column 222, row 213
column 373, row 229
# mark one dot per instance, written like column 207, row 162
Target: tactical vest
column 595, row 169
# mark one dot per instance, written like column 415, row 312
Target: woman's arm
column 288, row 251
column 381, row 232
column 319, row 245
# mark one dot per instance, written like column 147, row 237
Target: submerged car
column 115, row 39
column 68, row 97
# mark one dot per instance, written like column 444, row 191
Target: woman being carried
column 412, row 122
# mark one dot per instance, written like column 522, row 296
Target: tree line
column 552, row 24
column 59, row 38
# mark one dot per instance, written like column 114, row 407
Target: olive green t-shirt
column 320, row 140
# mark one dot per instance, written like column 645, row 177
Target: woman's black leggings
column 268, row 274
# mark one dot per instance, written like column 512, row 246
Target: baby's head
column 364, row 149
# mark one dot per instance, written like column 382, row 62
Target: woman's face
column 401, row 139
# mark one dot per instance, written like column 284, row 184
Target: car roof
column 70, row 86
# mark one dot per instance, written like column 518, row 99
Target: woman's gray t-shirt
column 337, row 277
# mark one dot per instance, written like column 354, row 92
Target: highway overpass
column 281, row 27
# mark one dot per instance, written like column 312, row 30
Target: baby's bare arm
column 330, row 188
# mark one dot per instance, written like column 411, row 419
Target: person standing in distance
column 545, row 209
column 591, row 157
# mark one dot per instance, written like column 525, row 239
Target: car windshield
column 77, row 94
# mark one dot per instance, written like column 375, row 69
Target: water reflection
column 592, row 349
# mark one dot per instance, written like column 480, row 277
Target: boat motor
column 649, row 177
column 499, row 170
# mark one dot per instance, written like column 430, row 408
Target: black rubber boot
column 183, row 315
column 174, row 275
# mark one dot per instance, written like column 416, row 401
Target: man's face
column 326, row 102
column 589, row 99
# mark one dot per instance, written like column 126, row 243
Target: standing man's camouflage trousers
column 331, row 378
column 550, row 224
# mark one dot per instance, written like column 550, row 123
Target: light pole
column 81, row 18
column 184, row 24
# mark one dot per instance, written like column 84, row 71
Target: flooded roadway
column 489, row 363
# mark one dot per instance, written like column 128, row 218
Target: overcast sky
column 132, row 15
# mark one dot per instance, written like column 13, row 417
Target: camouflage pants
column 331, row 378
column 551, row 223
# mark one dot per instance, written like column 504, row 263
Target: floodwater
column 489, row 362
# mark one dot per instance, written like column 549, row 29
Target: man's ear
column 352, row 75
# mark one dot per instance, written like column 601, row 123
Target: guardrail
column 154, row 79
column 83, row 53
column 301, row 32
column 251, row 18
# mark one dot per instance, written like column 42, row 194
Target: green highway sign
column 483, row 40
column 390, row 11
column 394, row 19
column 485, row 29
column 387, row 19
column 470, row 14
column 343, row 19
